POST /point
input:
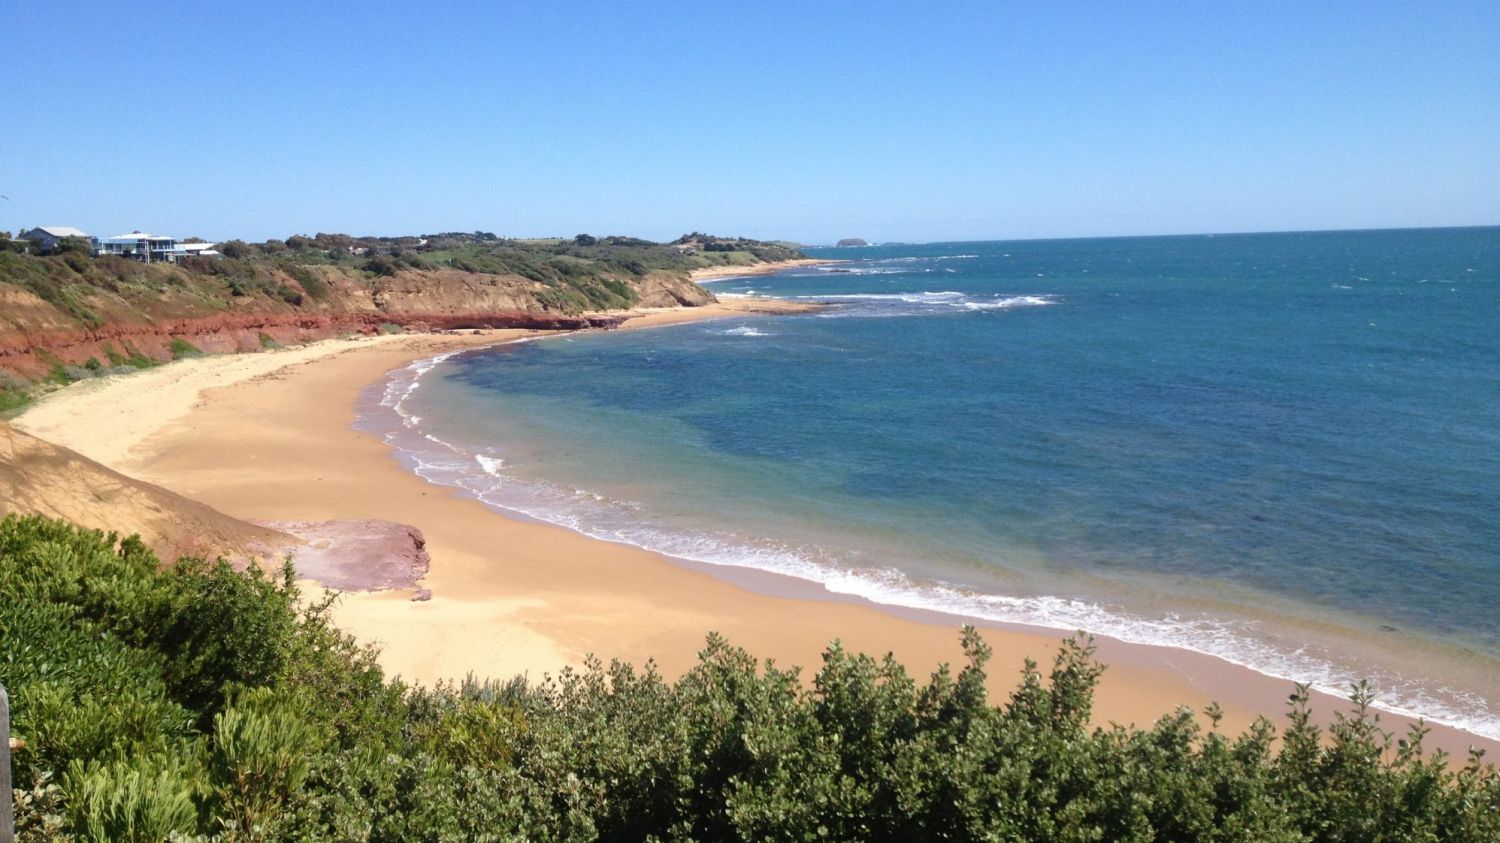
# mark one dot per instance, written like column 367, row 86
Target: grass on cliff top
column 202, row 702
column 584, row 273
column 571, row 276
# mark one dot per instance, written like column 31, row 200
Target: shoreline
column 719, row 273
column 513, row 596
column 380, row 413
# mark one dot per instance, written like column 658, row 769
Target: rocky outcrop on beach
column 362, row 554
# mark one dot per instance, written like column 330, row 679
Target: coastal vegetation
column 197, row 701
column 68, row 303
column 589, row 270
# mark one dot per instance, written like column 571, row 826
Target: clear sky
column 807, row 121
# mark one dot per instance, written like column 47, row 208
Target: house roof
column 61, row 231
column 139, row 235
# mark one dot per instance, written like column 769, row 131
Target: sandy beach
column 269, row 437
column 711, row 273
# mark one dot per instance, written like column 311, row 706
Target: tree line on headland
column 576, row 265
column 71, row 314
column 200, row 702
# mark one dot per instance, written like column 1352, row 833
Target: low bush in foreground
column 200, row 702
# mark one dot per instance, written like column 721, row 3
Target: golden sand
column 270, row 437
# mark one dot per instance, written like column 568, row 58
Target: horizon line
column 898, row 242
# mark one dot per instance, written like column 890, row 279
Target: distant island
column 851, row 241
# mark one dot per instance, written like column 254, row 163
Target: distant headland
column 77, row 306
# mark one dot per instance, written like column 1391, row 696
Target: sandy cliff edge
column 39, row 478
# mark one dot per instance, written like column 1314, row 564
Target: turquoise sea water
column 1281, row 449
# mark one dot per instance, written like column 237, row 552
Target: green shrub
column 288, row 294
column 311, row 282
column 383, row 266
column 13, row 401
column 181, row 348
column 201, row 700
column 223, row 629
column 142, row 801
column 75, row 246
column 262, row 747
column 39, row 811
column 15, row 393
column 137, row 359
column 58, row 370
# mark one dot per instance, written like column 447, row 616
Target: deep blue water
column 1269, row 447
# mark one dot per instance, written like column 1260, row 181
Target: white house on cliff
column 152, row 248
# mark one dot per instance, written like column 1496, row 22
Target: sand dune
column 39, row 478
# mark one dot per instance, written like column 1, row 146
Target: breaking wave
column 924, row 303
column 482, row 474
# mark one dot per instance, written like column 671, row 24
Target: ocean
column 1279, row 449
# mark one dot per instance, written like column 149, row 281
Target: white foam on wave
column 920, row 303
column 863, row 270
column 921, row 259
column 923, row 298
column 1011, row 301
column 745, row 331
column 484, row 477
column 402, row 383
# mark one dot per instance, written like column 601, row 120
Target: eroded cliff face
column 36, row 335
column 669, row 291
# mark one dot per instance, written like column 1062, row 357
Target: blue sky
column 802, row 121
